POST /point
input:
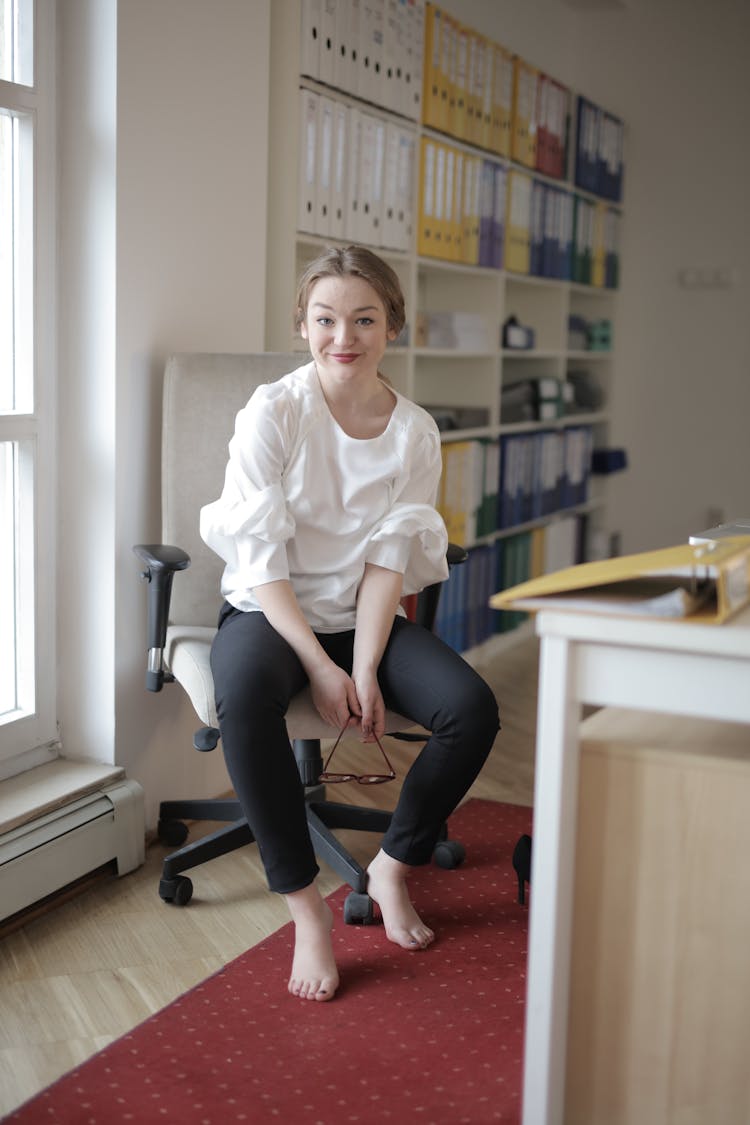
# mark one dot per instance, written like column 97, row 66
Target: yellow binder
column 440, row 225
column 598, row 248
column 518, row 222
column 448, row 59
column 705, row 584
column 476, row 86
column 463, row 462
column 501, row 99
column 427, row 242
column 523, row 133
column 433, row 80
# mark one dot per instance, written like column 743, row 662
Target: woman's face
column 346, row 327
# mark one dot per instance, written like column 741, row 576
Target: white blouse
column 304, row 501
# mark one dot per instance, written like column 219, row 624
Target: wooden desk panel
column 658, row 1018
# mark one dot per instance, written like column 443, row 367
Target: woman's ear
column 303, row 329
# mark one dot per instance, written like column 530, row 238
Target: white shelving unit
column 433, row 376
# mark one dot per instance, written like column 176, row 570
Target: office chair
column 201, row 397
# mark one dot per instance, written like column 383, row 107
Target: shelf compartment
column 458, row 381
column 464, row 310
column 542, row 307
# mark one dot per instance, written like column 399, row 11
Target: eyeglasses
column 361, row 779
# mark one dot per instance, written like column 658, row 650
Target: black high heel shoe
column 522, row 865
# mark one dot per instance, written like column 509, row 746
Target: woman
column 325, row 521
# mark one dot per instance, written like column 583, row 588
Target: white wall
column 184, row 90
column 677, row 73
column 86, row 392
column 164, row 203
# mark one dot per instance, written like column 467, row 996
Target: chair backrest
column 202, row 395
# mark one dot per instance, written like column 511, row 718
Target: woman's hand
column 372, row 707
column 333, row 691
column 334, row 695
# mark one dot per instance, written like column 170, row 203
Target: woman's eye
column 365, row 321
column 324, row 321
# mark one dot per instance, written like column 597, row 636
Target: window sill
column 47, row 787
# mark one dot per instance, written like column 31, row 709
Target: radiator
column 45, row 854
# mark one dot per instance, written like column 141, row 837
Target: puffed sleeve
column 249, row 525
column 411, row 538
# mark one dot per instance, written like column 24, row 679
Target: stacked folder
column 539, row 228
column 540, row 398
column 595, row 244
column 357, row 169
column 371, row 50
column 489, row 484
column 552, row 127
column 469, row 488
column 466, row 616
column 477, row 91
column 518, row 222
column 542, row 472
column 356, row 174
column 501, row 99
column 461, row 205
column 703, row 584
column 469, row 86
column 526, row 86
column 598, row 151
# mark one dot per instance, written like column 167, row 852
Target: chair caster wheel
column 449, row 854
column 172, row 832
column 178, row 890
column 358, row 910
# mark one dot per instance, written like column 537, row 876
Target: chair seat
column 187, row 655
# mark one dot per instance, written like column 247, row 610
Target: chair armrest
column 162, row 563
column 456, row 554
column 427, row 601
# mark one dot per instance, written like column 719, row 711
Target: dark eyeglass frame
column 361, row 779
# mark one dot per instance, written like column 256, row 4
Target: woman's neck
column 361, row 410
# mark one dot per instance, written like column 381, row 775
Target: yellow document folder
column 706, row 583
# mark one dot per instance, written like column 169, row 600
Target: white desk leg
column 555, row 800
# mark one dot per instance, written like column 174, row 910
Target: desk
column 674, row 667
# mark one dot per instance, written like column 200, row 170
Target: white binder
column 326, row 107
column 311, row 14
column 342, row 47
column 327, row 63
column 407, row 176
column 307, row 204
column 353, row 175
column 391, row 232
column 339, row 171
column 378, row 184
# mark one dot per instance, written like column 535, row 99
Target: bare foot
column 314, row 974
column 386, row 884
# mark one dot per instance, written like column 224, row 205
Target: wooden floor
column 86, row 971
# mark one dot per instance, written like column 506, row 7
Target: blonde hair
column 354, row 261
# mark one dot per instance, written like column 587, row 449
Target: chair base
column 322, row 817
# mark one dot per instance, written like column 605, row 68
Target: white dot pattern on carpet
column 433, row 1036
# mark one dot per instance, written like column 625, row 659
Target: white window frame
column 33, row 738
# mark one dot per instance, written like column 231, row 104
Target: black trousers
column 256, row 674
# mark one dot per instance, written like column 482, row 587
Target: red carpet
column 432, row 1037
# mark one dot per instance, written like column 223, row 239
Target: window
column 27, row 354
